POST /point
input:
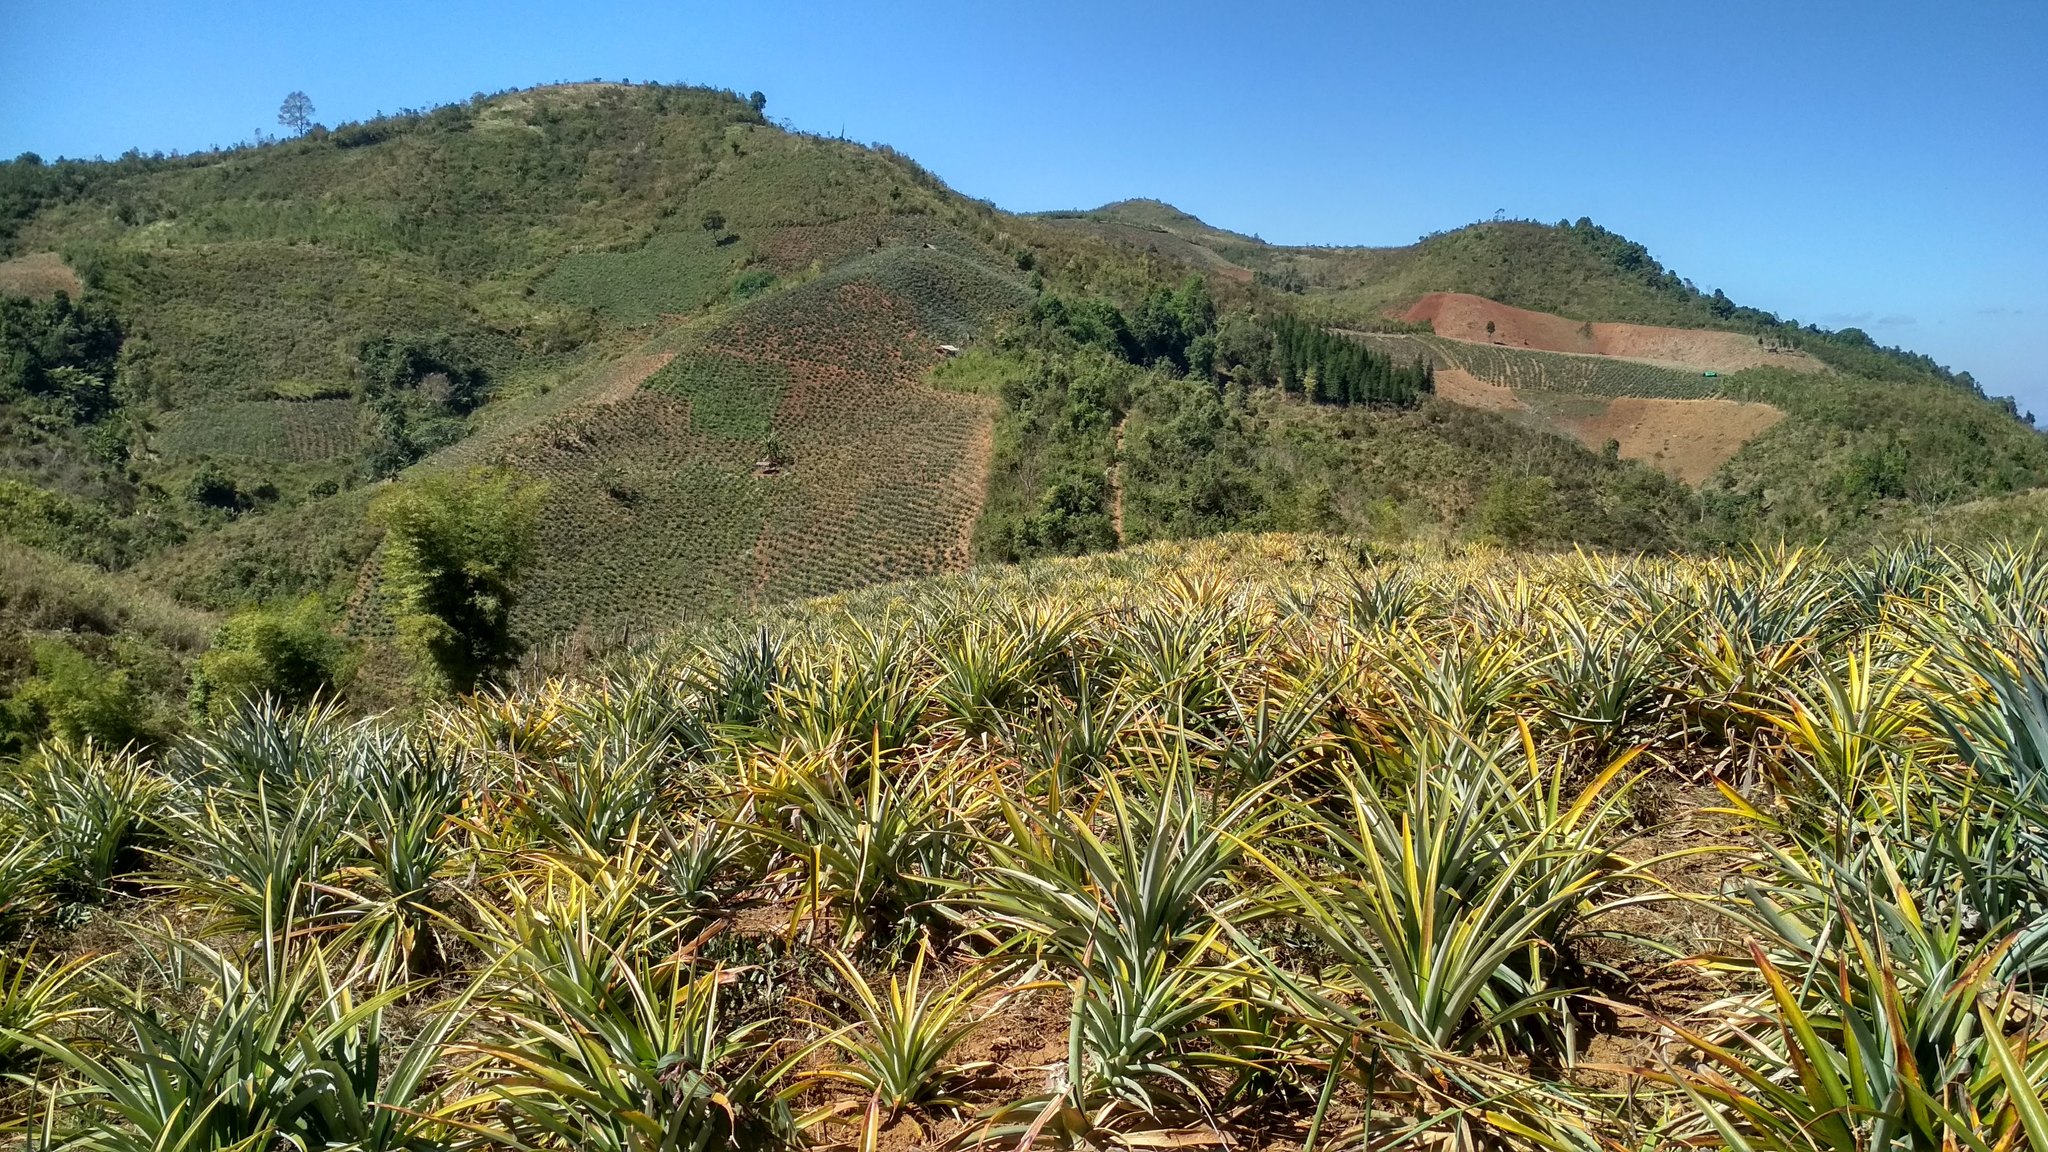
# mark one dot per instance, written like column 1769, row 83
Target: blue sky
column 1882, row 164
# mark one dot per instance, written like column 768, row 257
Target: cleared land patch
column 1685, row 439
column 1670, row 419
column 38, row 274
column 1463, row 317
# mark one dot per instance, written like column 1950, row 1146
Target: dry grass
column 38, row 274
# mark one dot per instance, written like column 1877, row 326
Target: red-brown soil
column 1461, row 387
column 1686, row 439
column 1458, row 316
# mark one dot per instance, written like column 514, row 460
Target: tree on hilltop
column 757, row 101
column 296, row 113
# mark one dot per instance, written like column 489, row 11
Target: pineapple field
column 787, row 447
column 1566, row 372
column 1255, row 842
column 274, row 431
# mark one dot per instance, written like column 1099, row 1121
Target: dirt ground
column 1461, row 387
column 38, row 274
column 625, row 375
column 1458, row 316
column 971, row 478
column 1686, row 439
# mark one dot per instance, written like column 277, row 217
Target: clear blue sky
column 1882, row 164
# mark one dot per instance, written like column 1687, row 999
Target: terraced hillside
column 1806, row 450
column 1680, row 422
column 791, row 448
column 522, row 264
column 1580, row 274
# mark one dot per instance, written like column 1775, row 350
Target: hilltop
column 1576, row 269
column 752, row 364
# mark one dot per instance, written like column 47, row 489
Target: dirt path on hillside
column 972, row 475
column 1463, row 317
column 625, row 375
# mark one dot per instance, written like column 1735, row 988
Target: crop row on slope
column 677, row 271
column 789, row 448
column 259, row 273
column 229, row 322
column 279, row 431
column 796, row 250
column 498, row 190
column 1260, row 841
column 647, row 520
column 687, row 267
column 1550, row 371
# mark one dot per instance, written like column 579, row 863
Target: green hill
column 1574, row 269
column 719, row 343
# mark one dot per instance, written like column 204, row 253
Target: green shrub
column 73, row 698
column 752, row 283
column 213, row 487
column 70, row 528
column 1516, row 510
column 453, row 547
column 289, row 652
column 60, row 352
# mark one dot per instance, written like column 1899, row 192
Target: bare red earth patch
column 1460, row 316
